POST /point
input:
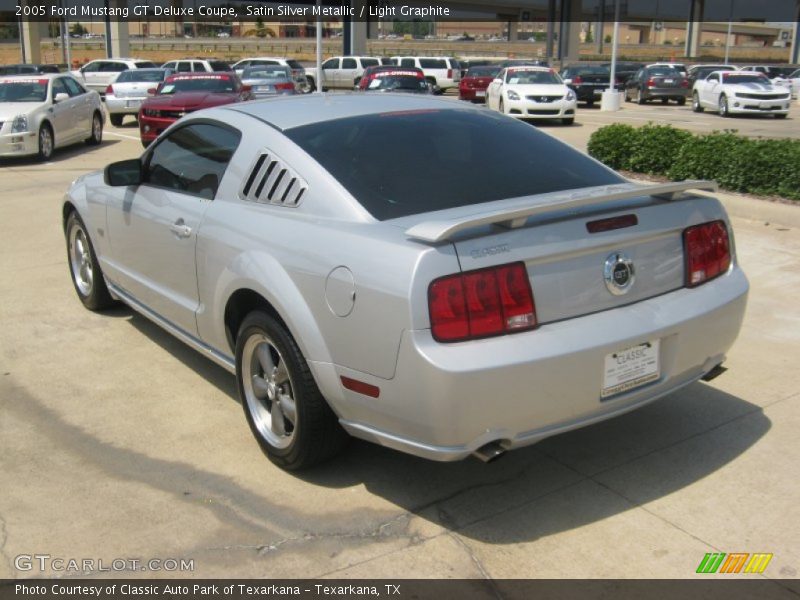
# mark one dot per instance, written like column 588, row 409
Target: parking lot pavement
column 117, row 441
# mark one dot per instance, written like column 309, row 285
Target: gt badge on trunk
column 618, row 273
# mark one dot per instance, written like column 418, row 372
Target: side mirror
column 497, row 80
column 60, row 97
column 123, row 173
column 568, row 81
column 151, row 91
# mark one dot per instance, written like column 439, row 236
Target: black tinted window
column 141, row 75
column 432, row 63
column 145, row 64
column 369, row 62
column 440, row 159
column 192, row 159
column 73, row 87
column 348, row 63
column 218, row 65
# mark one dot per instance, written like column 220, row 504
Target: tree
column 78, row 29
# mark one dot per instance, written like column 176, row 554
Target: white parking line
column 122, row 135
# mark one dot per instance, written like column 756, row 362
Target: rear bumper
column 666, row 92
column 447, row 400
column 472, row 95
column 123, row 106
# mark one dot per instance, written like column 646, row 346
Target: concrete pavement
column 117, row 441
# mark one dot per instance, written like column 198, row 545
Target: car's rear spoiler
column 514, row 212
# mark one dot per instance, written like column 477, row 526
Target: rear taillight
column 577, row 80
column 707, row 252
column 284, row 86
column 651, row 82
column 109, row 90
column 449, row 73
column 482, row 303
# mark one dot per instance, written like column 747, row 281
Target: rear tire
column 87, row 278
column 116, row 120
column 272, row 374
column 681, row 101
column 664, row 100
column 696, row 106
column 312, row 86
column 640, row 99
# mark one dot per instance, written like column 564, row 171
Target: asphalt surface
column 117, row 441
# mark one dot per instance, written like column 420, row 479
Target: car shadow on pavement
column 59, row 155
column 561, row 483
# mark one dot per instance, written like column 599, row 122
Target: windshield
column 23, row 90
column 746, row 78
column 518, row 77
column 198, row 84
column 398, row 82
column 141, row 75
column 441, row 159
column 267, row 72
column 662, row 72
column 590, row 71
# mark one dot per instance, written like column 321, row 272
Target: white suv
column 343, row 71
column 194, row 65
column 298, row 71
column 442, row 72
column 97, row 74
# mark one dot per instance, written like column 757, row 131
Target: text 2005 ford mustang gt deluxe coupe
column 425, row 275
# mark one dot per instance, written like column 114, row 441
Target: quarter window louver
column 272, row 181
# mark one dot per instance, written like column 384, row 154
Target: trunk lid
column 566, row 264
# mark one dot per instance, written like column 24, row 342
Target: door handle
column 180, row 229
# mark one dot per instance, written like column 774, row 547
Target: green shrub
column 656, row 147
column 613, row 145
column 765, row 167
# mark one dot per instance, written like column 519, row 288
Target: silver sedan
column 471, row 287
column 124, row 96
column 269, row 80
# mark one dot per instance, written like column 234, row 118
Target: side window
column 93, row 67
column 73, row 87
column 114, row 67
column 713, row 77
column 192, row 159
column 332, row 63
column 184, row 66
column 198, row 66
column 407, row 62
column 169, row 65
column 58, row 87
column 349, row 63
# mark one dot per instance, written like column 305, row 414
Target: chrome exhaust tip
column 490, row 452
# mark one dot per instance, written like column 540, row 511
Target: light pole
column 319, row 49
column 610, row 98
column 728, row 37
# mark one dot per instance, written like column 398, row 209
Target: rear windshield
column 141, row 75
column 294, row 64
column 370, row 62
column 394, row 82
column 432, row 63
column 441, row 159
column 211, row 83
column 483, row 71
column 219, row 65
column 146, row 64
column 666, row 71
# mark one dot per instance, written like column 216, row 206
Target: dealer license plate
column 132, row 103
column 598, row 92
column 630, row 368
column 669, row 81
column 480, row 94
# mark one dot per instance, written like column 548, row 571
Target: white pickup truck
column 442, row 72
column 342, row 72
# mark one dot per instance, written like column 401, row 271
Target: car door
column 710, row 91
column 92, row 75
column 494, row 90
column 83, row 105
column 328, row 75
column 347, row 73
column 153, row 227
column 62, row 115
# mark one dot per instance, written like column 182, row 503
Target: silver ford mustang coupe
column 429, row 276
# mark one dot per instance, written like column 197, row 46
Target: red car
column 185, row 93
column 473, row 85
column 371, row 74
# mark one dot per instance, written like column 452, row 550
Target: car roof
column 34, row 75
column 537, row 69
column 287, row 113
column 203, row 75
column 263, row 58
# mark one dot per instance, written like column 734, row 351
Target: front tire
column 501, row 107
column 283, row 406
column 87, row 278
column 96, row 136
column 46, row 142
column 723, row 106
column 568, row 121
